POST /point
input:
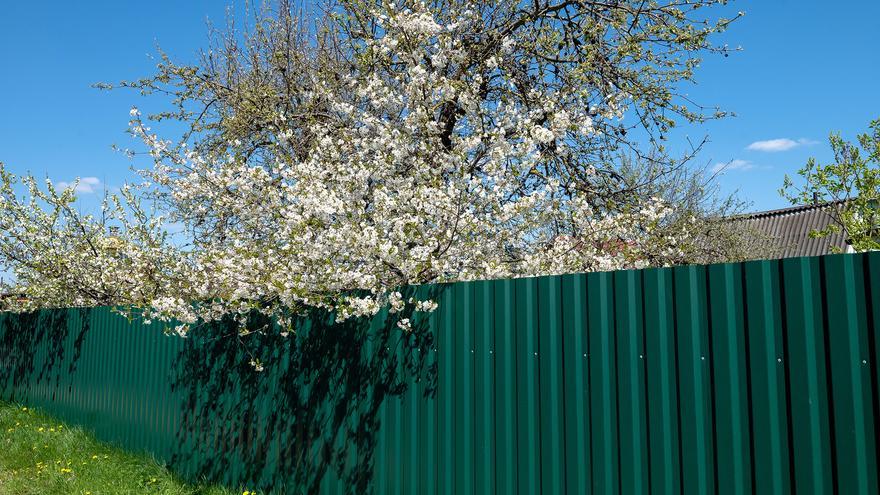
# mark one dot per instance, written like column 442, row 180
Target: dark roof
column 789, row 229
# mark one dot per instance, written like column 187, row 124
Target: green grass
column 41, row 456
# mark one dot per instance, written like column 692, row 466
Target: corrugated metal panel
column 767, row 373
column 731, row 398
column 576, row 380
column 527, row 407
column 506, row 472
column 694, row 379
column 631, row 394
column 549, row 330
column 808, row 376
column 484, row 396
column 850, row 376
column 663, row 398
column 758, row 377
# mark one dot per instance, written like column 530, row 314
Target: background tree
column 701, row 210
column 851, row 184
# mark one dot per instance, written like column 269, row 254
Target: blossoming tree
column 391, row 143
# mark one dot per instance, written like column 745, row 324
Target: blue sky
column 808, row 67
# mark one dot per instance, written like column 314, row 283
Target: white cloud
column 733, row 165
column 87, row 185
column 781, row 144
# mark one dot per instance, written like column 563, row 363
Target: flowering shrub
column 396, row 143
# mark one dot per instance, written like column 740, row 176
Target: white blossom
column 424, row 162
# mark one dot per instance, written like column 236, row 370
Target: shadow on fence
column 48, row 332
column 310, row 414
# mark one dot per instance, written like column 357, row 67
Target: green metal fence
column 759, row 377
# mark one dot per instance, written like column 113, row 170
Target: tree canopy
column 850, row 185
column 391, row 143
